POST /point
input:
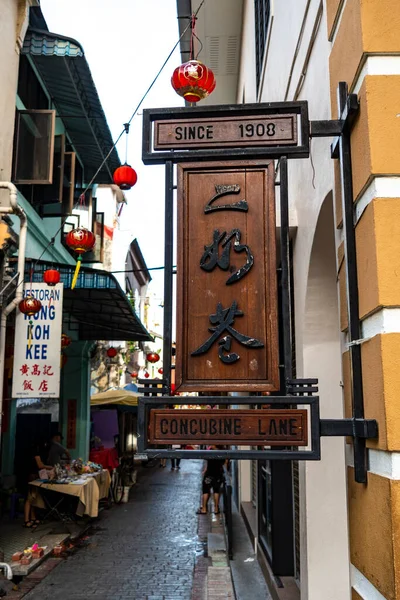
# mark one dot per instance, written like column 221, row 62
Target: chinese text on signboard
column 227, row 292
column 36, row 372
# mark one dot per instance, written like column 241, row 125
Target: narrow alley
column 145, row 549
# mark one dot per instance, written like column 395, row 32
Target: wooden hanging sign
column 227, row 327
column 266, row 427
column 225, row 132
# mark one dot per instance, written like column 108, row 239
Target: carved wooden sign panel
column 227, row 292
column 230, row 427
column 223, row 132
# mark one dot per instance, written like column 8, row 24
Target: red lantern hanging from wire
column 80, row 240
column 125, row 177
column 65, row 340
column 193, row 80
column 152, row 357
column 112, row 352
column 147, row 374
column 134, row 375
column 51, row 277
column 161, row 370
column 30, row 306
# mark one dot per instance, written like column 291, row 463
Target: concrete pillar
column 76, row 389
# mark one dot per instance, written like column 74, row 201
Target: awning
column 62, row 65
column 98, row 308
column 122, row 397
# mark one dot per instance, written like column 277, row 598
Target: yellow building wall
column 360, row 29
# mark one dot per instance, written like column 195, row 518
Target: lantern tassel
column 30, row 334
column 77, row 268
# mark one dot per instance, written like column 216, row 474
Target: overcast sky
column 125, row 43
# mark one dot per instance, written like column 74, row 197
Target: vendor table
column 89, row 489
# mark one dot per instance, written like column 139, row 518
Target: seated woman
column 34, row 464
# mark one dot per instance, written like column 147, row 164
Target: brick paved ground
column 143, row 550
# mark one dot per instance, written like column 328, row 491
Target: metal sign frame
column 153, row 157
column 145, row 404
column 359, row 428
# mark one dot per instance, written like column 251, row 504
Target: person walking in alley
column 175, row 462
column 213, row 476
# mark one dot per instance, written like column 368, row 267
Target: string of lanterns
column 193, row 81
column 125, row 175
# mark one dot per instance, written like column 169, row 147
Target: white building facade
column 270, row 51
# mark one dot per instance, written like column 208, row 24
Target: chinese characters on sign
column 37, row 365
column 227, row 291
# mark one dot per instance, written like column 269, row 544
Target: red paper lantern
column 80, row 240
column 30, row 306
column 112, row 352
column 153, row 357
column 161, row 370
column 193, row 80
column 51, row 276
column 125, row 177
column 147, row 375
column 65, row 340
column 134, row 374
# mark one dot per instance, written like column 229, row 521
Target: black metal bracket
column 356, row 428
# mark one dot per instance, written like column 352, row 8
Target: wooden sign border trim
column 244, row 439
column 228, row 123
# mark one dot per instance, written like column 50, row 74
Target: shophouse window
column 38, row 154
column 34, row 146
column 30, row 90
column 262, row 14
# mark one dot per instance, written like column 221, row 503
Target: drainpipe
column 14, row 208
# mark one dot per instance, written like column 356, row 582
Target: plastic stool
column 14, row 499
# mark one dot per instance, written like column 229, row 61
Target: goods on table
column 70, row 472
column 80, row 467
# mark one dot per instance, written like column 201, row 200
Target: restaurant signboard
column 36, row 371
